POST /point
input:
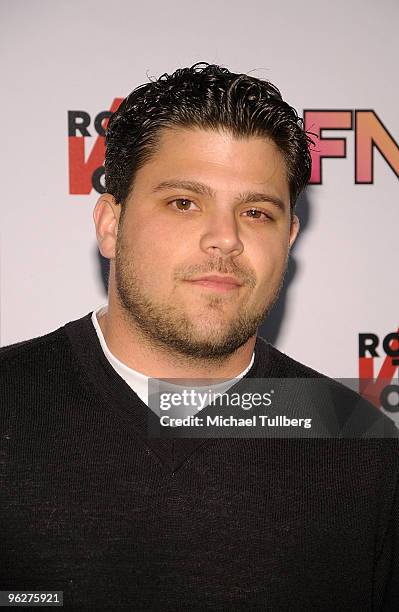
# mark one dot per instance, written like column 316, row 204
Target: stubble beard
column 168, row 327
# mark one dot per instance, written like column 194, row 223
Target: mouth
column 221, row 284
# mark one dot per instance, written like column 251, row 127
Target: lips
column 221, row 283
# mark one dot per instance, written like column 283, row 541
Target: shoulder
column 352, row 414
column 31, row 368
column 39, row 376
column 26, row 372
column 33, row 350
column 40, row 360
column 44, row 350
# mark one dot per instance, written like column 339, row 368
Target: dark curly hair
column 210, row 97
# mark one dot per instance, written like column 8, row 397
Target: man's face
column 202, row 249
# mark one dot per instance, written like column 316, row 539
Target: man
column 203, row 168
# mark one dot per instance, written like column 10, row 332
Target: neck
column 137, row 351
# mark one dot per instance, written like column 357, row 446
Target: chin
column 210, row 330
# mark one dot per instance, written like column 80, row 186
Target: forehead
column 217, row 158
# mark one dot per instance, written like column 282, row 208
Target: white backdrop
column 80, row 55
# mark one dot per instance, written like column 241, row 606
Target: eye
column 183, row 204
column 257, row 215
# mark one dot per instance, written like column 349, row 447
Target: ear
column 294, row 229
column 106, row 219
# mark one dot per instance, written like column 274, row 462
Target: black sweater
column 91, row 507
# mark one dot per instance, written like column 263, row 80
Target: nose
column 220, row 235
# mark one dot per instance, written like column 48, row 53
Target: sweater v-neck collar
column 120, row 399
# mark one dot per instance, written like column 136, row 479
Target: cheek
column 268, row 258
column 146, row 236
column 154, row 252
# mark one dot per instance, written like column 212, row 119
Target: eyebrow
column 246, row 197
